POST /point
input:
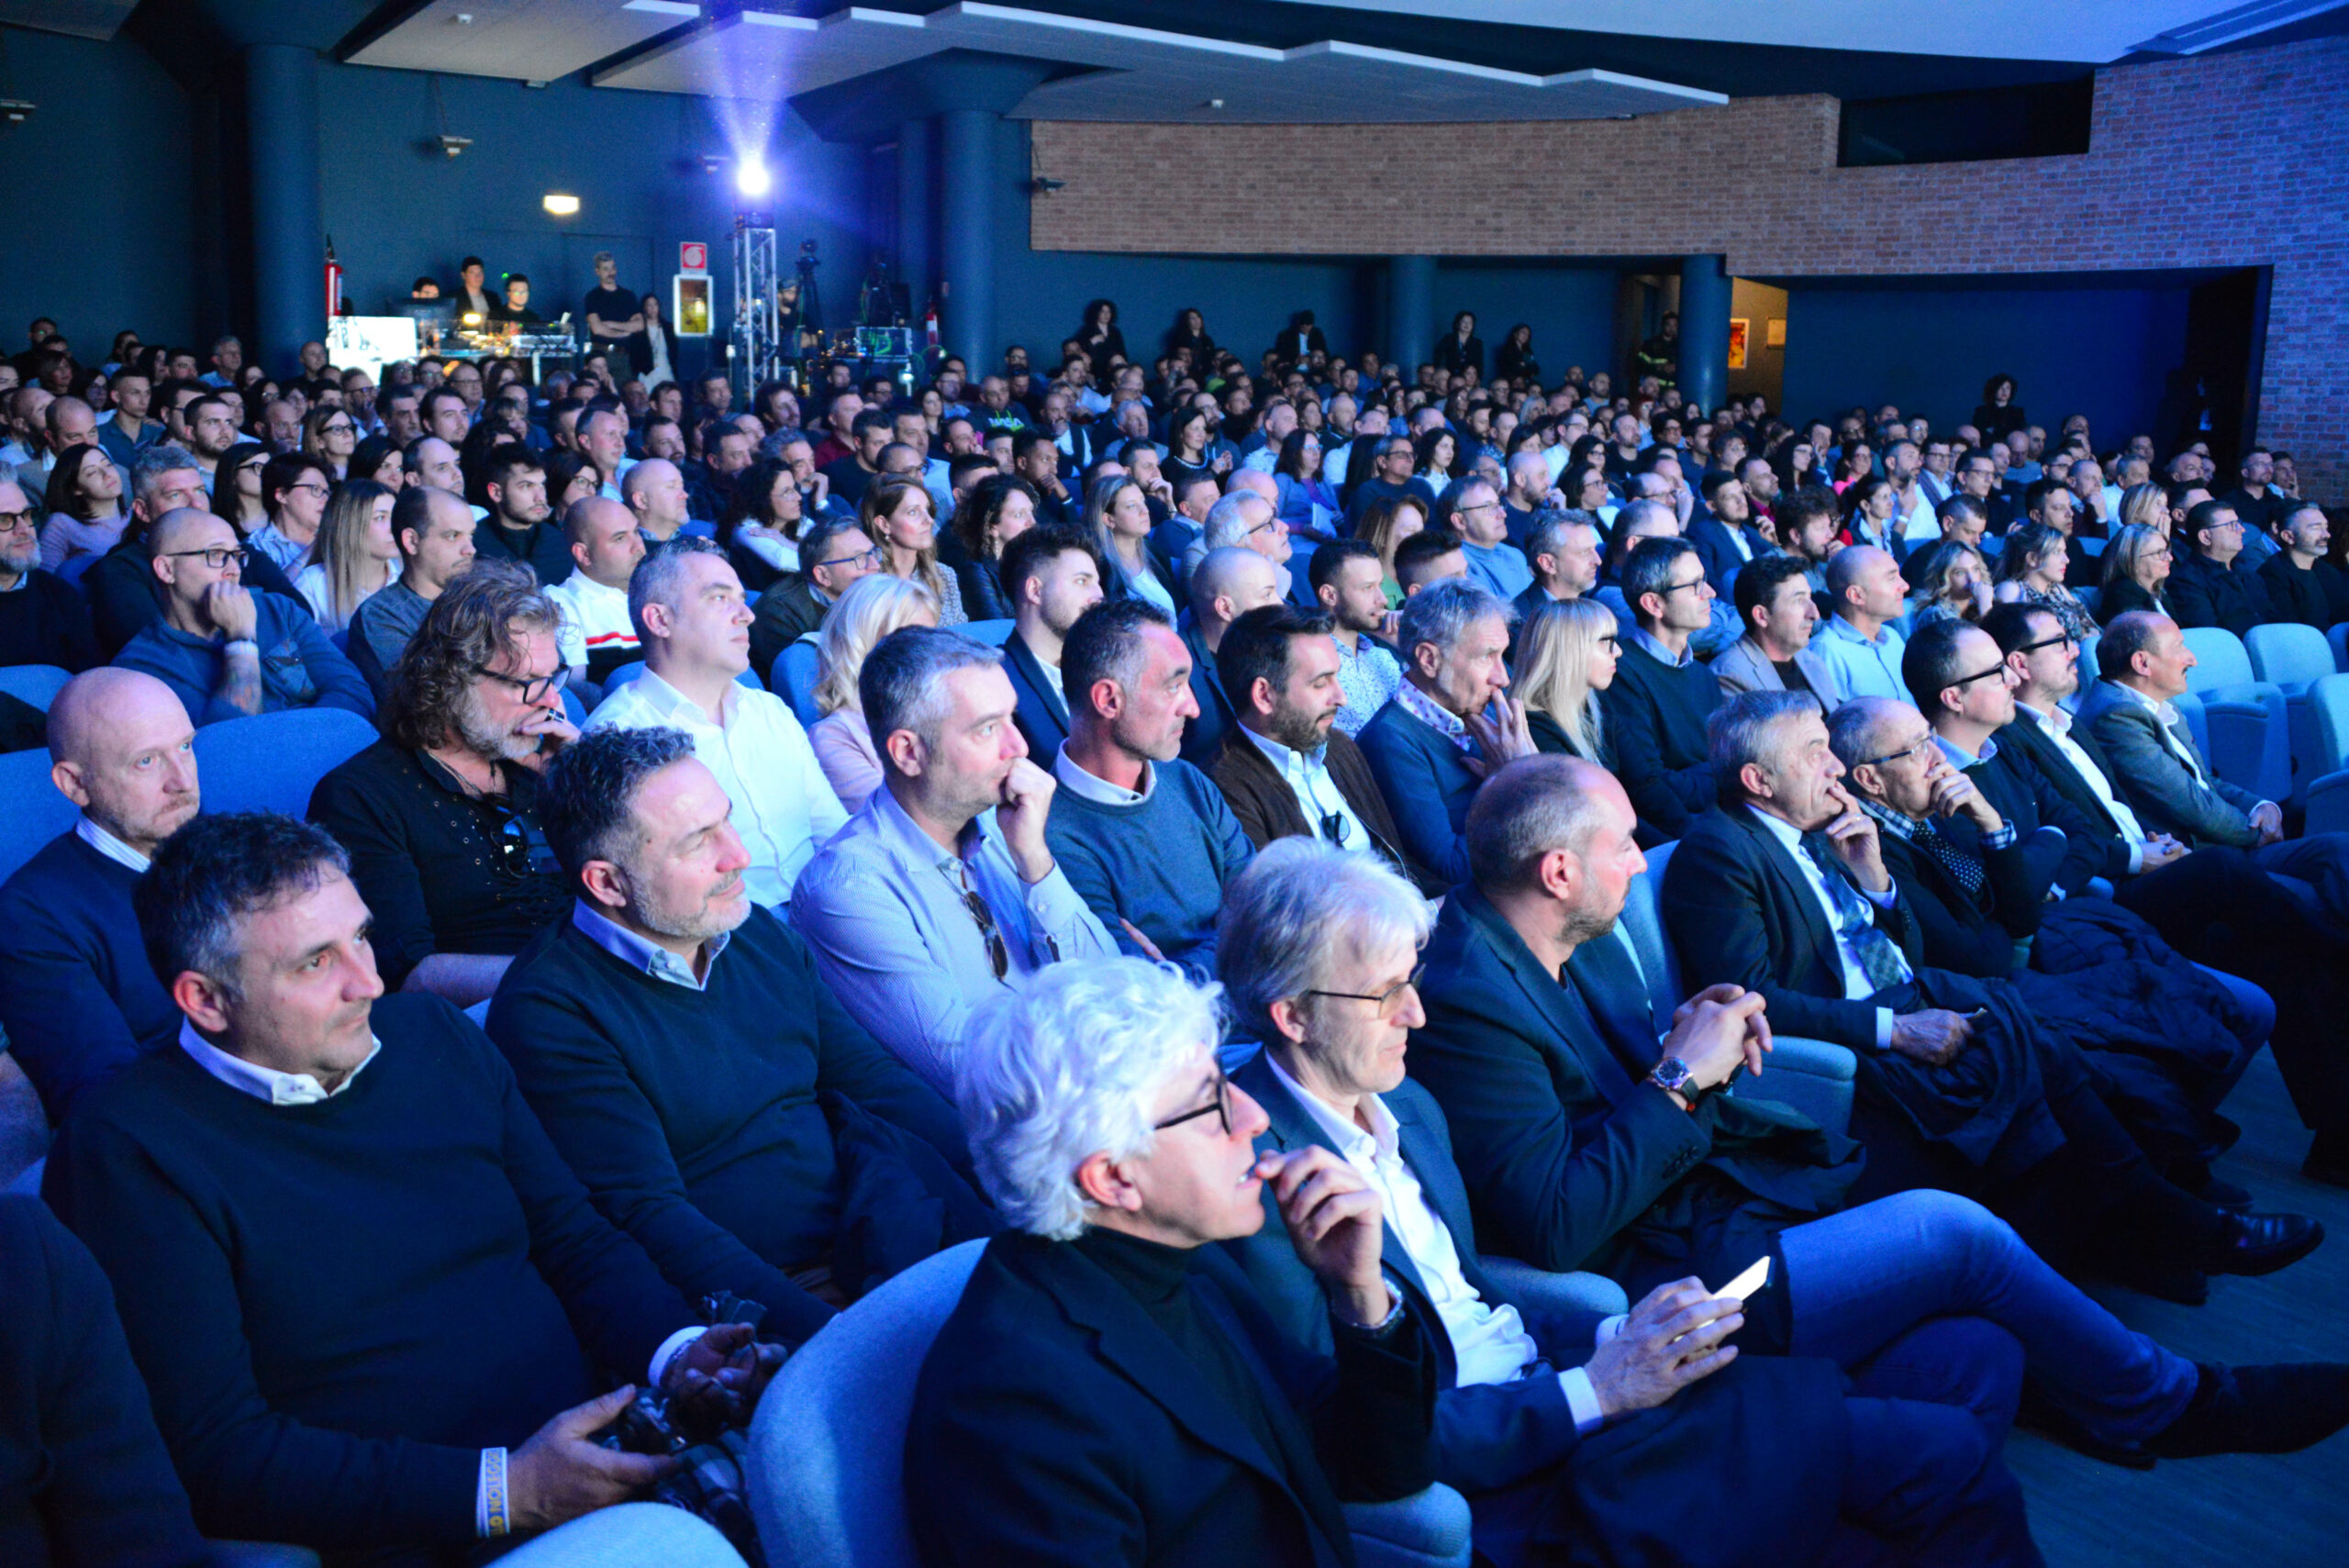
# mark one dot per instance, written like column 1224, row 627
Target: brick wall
column 2233, row 161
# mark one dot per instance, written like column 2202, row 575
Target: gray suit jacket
column 1743, row 666
column 2162, row 790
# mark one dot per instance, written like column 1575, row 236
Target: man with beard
column 517, row 528
column 1052, row 577
column 440, row 817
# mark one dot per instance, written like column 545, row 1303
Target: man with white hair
column 77, row 995
column 688, row 607
column 1321, row 960
column 942, row 891
column 1104, row 1390
column 1450, row 723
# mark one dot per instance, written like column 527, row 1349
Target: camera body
column 708, row 1481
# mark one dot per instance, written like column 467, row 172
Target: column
column 289, row 223
column 914, row 262
column 1410, row 311
column 1704, row 330
column 966, row 212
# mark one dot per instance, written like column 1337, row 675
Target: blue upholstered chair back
column 2288, row 654
column 272, row 761
column 36, row 685
column 31, row 810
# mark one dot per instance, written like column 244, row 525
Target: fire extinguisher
column 929, row 327
column 334, row 281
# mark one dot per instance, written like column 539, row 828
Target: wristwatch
column 1672, row 1076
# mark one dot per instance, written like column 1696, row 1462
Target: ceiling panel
column 1138, row 74
column 82, row 18
column 534, row 40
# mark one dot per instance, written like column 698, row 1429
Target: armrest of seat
column 1807, row 1075
column 1427, row 1529
column 1566, row 1292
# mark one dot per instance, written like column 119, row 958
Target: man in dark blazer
column 1109, row 1389
column 1051, row 575
column 1585, row 1141
column 2209, row 586
column 2214, row 904
column 1286, row 769
column 1553, row 1436
column 1724, row 531
column 1784, row 890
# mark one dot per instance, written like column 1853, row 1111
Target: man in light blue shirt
column 941, row 891
column 1859, row 643
column 1482, row 522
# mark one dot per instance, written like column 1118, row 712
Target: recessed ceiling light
column 559, row 204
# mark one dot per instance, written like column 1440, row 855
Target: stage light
column 559, row 204
column 751, row 176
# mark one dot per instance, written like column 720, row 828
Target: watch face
column 1672, row 1072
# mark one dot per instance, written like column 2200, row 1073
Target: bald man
column 1228, row 584
column 607, row 542
column 76, row 995
column 226, row 650
column 654, row 490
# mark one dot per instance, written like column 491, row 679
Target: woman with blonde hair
column 2031, row 572
column 872, row 607
column 2136, row 566
column 1117, row 516
column 2147, row 504
column 352, row 556
column 1953, row 582
column 1384, row 525
column 897, row 516
column 1567, row 654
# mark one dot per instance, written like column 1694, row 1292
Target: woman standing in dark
column 1190, row 331
column 2001, row 415
column 1461, row 350
column 1516, row 362
column 1100, row 337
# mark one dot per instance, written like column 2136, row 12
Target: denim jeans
column 628, row 1534
column 1858, row 1280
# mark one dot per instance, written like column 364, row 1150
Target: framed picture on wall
column 1774, row 335
column 1739, row 327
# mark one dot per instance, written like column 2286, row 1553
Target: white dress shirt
column 1307, row 773
column 2058, row 727
column 1857, row 986
column 107, row 844
column 783, row 807
column 1489, row 1343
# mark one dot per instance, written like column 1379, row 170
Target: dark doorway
column 2214, row 394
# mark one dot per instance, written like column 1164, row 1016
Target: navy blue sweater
column 691, row 1115
column 1655, row 721
column 77, row 996
column 338, row 1306
column 83, row 1476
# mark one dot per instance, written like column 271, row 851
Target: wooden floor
column 2260, row 1511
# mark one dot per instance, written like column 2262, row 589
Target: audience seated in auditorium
column 1564, row 552
column 1051, row 576
column 653, row 490
column 687, row 604
column 413, row 1378
column 1776, row 655
column 1144, row 837
column 1586, row 1143
column 1106, row 1386
column 1285, row 767
column 1321, row 960
column 441, row 817
column 942, row 890
column 1449, row 725
column 77, row 997
column 44, row 619
column 229, row 652
column 1658, row 703
column 1350, row 586
column 834, row 554
column 694, row 1070
column 1784, row 890
column 598, row 634
column 1494, row 564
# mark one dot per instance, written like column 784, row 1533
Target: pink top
column 844, row 751
column 67, row 536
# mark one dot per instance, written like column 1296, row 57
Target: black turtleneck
column 1159, row 1278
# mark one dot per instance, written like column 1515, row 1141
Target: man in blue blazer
column 1784, row 890
column 1051, row 575
column 1564, row 1430
column 1586, row 1143
column 1449, row 724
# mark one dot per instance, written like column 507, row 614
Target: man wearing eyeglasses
column 225, row 651
column 42, row 619
column 1661, row 699
column 2210, row 587
column 441, row 817
column 1482, row 522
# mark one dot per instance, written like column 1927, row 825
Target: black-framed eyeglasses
column 2060, row 640
column 1219, row 1107
column 1998, row 669
column 1903, row 753
column 868, row 557
column 217, row 557
column 521, row 850
column 344, row 429
column 1388, row 999
column 1267, row 523
column 1674, row 588
column 12, row 521
column 532, row 689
